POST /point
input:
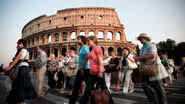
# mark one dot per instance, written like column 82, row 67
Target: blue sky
column 161, row 19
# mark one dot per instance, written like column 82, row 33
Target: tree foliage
column 167, row 46
column 179, row 52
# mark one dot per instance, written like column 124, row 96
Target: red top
column 94, row 62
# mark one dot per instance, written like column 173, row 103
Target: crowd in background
column 71, row 73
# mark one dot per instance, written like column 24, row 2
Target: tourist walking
column 148, row 58
column 127, row 57
column 96, row 75
column 108, row 71
column 83, row 68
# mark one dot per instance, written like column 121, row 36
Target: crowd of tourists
column 91, row 70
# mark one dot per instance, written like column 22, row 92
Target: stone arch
column 119, row 51
column 100, row 34
column 48, row 52
column 103, row 50
column 56, row 52
column 118, row 36
column 82, row 32
column 64, row 50
column 110, row 49
column 73, row 35
column 49, row 38
column 91, row 32
column 109, row 35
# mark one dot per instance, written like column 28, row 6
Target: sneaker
column 125, row 92
column 62, row 91
column 131, row 91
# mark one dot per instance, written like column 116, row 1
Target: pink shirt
column 94, row 62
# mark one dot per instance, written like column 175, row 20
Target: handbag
column 14, row 72
column 162, row 73
column 131, row 65
column 99, row 96
column 70, row 72
column 150, row 70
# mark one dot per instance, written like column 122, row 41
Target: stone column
column 96, row 33
column 105, row 35
column 46, row 39
column 53, row 38
column 114, row 36
column 60, row 37
column 59, row 51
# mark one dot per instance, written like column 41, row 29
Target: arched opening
column 49, row 38
column 118, row 36
column 119, row 51
column 103, row 50
column 100, row 35
column 56, row 52
column 43, row 39
column 48, row 52
column 82, row 33
column 64, row 36
column 109, row 35
column 64, row 50
column 73, row 35
column 91, row 33
column 110, row 50
column 56, row 37
column 31, row 54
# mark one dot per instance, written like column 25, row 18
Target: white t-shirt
column 25, row 55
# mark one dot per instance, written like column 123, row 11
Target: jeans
column 154, row 91
column 92, row 80
column 77, row 84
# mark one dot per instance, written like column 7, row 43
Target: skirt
column 22, row 88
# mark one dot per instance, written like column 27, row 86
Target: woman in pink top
column 96, row 70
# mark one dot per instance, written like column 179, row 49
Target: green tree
column 167, row 46
column 179, row 52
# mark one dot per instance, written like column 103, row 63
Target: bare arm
column 85, row 61
column 100, row 60
column 146, row 57
column 15, row 61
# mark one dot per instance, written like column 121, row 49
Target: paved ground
column 176, row 95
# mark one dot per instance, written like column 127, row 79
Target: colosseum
column 57, row 33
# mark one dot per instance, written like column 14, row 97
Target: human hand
column 82, row 72
column 136, row 59
column 8, row 69
column 100, row 74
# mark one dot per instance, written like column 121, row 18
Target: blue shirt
column 83, row 51
column 148, row 48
